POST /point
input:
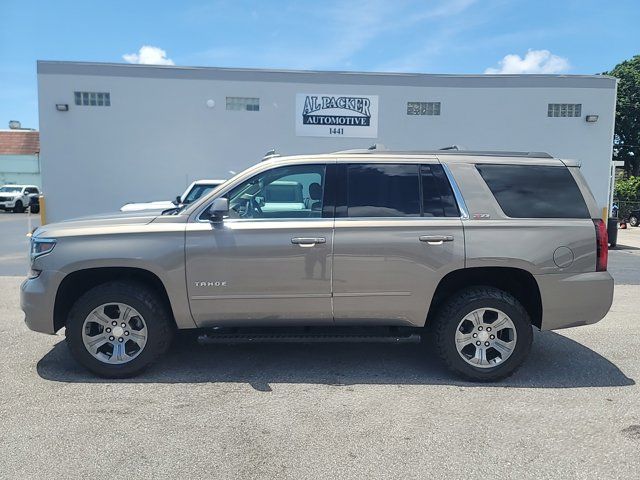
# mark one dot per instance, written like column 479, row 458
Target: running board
column 238, row 338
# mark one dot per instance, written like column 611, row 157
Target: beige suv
column 469, row 249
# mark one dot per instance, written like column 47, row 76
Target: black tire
column 460, row 305
column 158, row 321
column 633, row 221
column 35, row 209
column 18, row 207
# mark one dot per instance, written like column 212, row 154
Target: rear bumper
column 570, row 300
column 37, row 300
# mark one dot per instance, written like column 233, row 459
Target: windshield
column 10, row 189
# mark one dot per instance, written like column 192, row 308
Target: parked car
column 471, row 250
column 17, row 197
column 634, row 218
column 34, row 203
column 192, row 193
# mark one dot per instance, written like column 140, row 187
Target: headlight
column 40, row 246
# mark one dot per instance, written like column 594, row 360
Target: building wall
column 158, row 135
column 20, row 169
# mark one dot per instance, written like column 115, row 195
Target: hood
column 10, row 194
column 95, row 224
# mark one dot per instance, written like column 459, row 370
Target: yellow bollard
column 43, row 210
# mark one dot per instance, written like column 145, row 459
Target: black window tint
column 535, row 191
column 383, row 190
column 437, row 195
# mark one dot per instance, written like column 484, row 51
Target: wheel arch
column 516, row 281
column 79, row 282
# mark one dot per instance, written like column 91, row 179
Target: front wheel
column 18, row 207
column 633, row 221
column 118, row 329
column 483, row 333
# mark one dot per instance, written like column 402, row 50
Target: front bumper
column 571, row 300
column 7, row 205
column 37, row 300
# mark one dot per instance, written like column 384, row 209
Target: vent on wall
column 249, row 104
column 93, row 99
column 423, row 108
column 564, row 110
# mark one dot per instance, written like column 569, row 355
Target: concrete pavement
column 328, row 411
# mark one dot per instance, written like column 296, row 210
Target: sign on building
column 324, row 115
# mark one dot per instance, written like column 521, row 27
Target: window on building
column 564, row 110
column 93, row 99
column 423, row 108
column 249, row 104
column 535, row 191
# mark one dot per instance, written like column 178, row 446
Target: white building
column 113, row 133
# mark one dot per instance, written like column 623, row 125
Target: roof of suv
column 463, row 156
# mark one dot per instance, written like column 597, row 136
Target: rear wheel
column 18, row 207
column 483, row 333
column 633, row 221
column 118, row 329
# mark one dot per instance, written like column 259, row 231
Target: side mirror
column 177, row 201
column 218, row 209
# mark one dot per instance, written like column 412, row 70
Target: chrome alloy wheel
column 485, row 337
column 114, row 333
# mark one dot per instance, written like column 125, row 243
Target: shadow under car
column 555, row 362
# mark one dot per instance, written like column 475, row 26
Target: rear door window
column 399, row 190
column 437, row 194
column 535, row 191
column 383, row 190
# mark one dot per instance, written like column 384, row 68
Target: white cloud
column 148, row 55
column 534, row 61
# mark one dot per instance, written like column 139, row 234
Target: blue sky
column 431, row 36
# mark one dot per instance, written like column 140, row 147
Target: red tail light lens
column 602, row 245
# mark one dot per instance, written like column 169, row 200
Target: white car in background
column 18, row 197
column 196, row 190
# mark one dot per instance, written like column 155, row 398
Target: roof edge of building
column 52, row 67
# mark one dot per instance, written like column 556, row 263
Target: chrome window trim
column 464, row 212
column 263, row 220
column 462, row 206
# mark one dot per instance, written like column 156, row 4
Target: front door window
column 284, row 192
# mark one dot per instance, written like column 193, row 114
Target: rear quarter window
column 535, row 191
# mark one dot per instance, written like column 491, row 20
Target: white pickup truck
column 18, row 197
column 193, row 192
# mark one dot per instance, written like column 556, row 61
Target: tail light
column 602, row 245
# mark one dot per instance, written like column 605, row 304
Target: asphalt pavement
column 328, row 411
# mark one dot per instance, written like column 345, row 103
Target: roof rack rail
column 482, row 153
column 271, row 154
column 376, row 147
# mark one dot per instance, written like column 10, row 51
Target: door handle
column 308, row 242
column 436, row 239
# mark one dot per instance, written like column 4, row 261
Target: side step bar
column 283, row 337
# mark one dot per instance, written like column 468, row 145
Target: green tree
column 627, row 132
column 628, row 189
